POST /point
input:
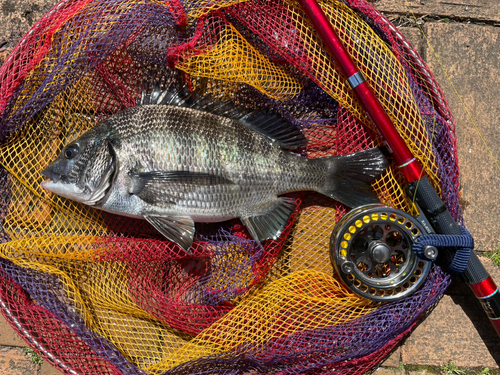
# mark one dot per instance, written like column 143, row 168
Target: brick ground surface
column 456, row 330
column 470, row 55
column 47, row 369
column 463, row 10
column 9, row 337
column 13, row 361
column 393, row 359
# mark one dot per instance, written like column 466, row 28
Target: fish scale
column 176, row 165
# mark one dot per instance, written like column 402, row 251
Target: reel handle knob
column 430, row 253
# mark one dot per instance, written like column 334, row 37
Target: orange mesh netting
column 99, row 293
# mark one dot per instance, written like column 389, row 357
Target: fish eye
column 71, row 151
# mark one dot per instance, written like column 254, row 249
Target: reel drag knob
column 371, row 248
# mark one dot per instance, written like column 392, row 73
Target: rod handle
column 475, row 275
column 441, row 220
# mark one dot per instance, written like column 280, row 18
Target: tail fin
column 350, row 177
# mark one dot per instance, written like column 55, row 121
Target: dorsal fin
column 275, row 127
column 265, row 122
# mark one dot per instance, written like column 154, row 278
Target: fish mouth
column 57, row 185
column 55, row 177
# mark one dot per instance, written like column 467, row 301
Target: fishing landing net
column 96, row 293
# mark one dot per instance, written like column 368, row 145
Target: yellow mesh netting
column 234, row 59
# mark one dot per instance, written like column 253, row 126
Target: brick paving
column 462, row 10
column 13, row 361
column 465, row 36
column 471, row 55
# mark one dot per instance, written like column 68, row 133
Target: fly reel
column 372, row 250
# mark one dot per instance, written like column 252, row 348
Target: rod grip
column 475, row 275
column 441, row 220
column 424, row 194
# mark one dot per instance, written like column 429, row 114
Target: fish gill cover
column 99, row 293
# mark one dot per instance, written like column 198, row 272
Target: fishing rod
column 420, row 188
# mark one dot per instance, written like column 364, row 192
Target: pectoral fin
column 270, row 224
column 179, row 229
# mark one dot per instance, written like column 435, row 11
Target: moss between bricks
column 493, row 255
column 32, row 356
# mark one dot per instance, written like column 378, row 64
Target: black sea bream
column 174, row 161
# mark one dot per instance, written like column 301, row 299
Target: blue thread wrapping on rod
column 464, row 244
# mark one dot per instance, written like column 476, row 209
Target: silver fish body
column 175, row 166
column 235, row 171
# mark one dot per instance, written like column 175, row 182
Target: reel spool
column 371, row 248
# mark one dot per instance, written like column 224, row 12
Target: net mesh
column 99, row 293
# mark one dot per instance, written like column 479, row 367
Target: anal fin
column 179, row 229
column 270, row 224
